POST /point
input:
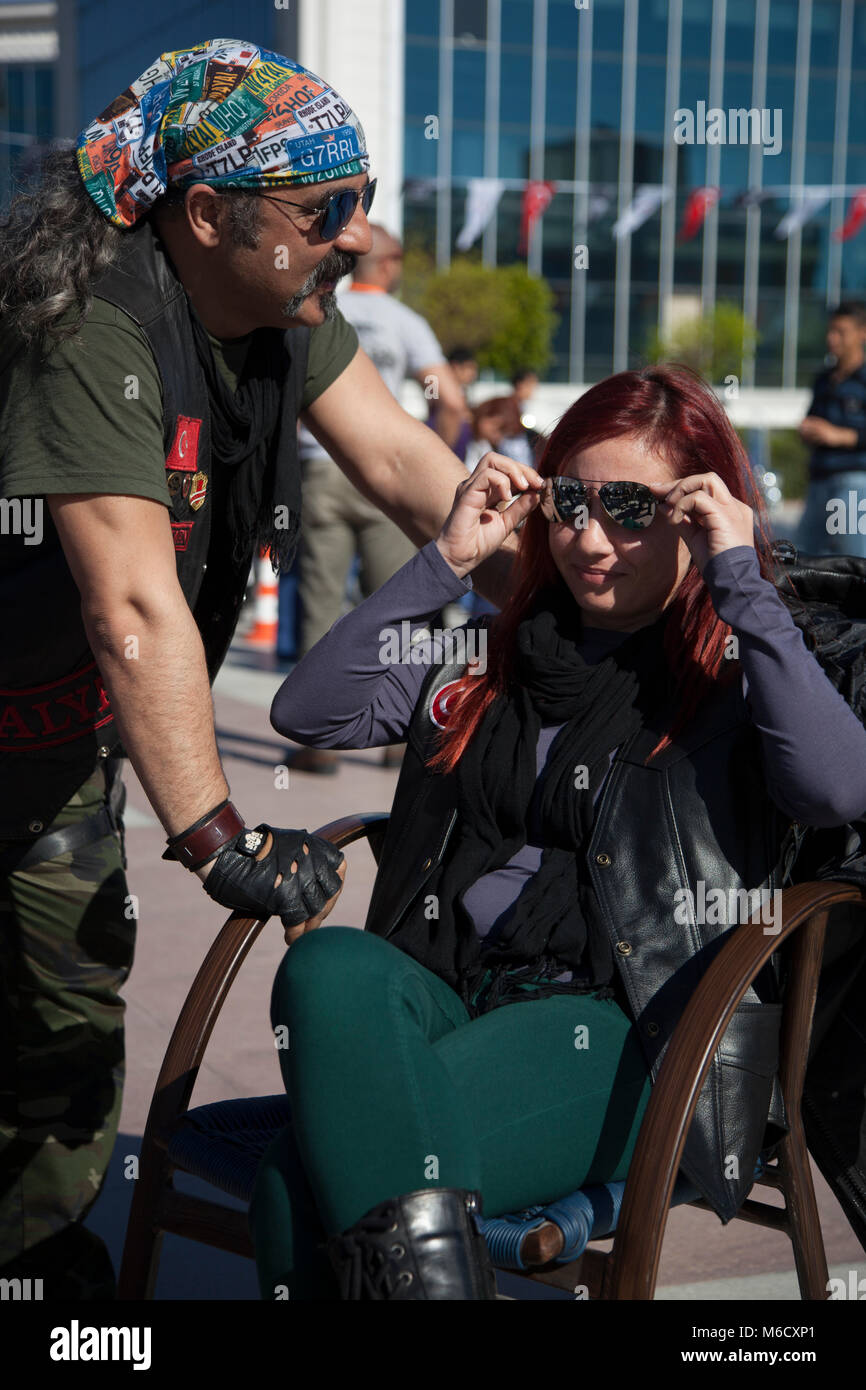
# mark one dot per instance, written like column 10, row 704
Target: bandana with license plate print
column 225, row 113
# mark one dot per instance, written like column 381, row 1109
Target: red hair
column 672, row 411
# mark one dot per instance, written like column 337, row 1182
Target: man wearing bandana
column 166, row 316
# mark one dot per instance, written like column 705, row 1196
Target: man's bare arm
column 397, row 462
column 148, row 648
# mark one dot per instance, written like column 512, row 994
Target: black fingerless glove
column 240, row 881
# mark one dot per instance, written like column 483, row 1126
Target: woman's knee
column 324, row 961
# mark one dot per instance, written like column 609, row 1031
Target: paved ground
column 701, row 1259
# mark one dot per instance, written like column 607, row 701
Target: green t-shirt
column 88, row 417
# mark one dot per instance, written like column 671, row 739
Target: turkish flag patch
column 439, row 704
column 183, row 454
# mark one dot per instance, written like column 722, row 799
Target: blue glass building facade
column 28, row 53
column 26, row 114
column 585, row 98
column 116, row 42
column 104, row 45
column 541, row 89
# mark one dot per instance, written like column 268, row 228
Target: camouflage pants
column 66, row 946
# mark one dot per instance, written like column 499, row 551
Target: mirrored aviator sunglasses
column 340, row 209
column 631, row 505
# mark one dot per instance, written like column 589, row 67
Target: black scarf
column 244, row 439
column 555, row 923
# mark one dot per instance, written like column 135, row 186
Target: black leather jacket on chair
column 699, row 813
column 829, row 606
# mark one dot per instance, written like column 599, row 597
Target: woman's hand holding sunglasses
column 488, row 506
column 709, row 518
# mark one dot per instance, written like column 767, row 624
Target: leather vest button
column 624, row 948
column 35, row 826
column 102, row 751
column 604, row 860
column 427, row 863
column 652, row 1029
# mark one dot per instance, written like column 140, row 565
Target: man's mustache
column 335, row 265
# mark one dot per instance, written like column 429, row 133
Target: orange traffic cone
column 263, row 632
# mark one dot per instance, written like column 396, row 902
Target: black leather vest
column 57, row 721
column 142, row 283
column 699, row 812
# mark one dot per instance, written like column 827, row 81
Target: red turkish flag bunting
column 855, row 218
column 696, row 209
column 537, row 197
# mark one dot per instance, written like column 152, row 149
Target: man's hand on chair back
column 292, row 933
column 286, row 873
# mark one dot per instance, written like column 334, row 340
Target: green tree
column 525, row 336
column 504, row 314
column 712, row 343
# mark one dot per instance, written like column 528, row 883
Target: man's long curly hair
column 54, row 243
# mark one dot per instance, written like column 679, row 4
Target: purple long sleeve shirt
column 349, row 692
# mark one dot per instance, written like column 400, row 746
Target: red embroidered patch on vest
column 439, row 704
column 45, row 716
column 180, row 534
column 184, row 450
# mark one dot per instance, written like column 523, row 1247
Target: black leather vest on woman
column 699, row 812
column 58, row 719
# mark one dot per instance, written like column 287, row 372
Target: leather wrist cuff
column 206, row 837
column 197, row 824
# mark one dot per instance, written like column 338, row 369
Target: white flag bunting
column 800, row 213
column 482, row 198
column 645, row 202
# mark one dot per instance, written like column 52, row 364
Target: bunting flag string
column 483, row 196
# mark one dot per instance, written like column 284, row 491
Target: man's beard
column 334, row 266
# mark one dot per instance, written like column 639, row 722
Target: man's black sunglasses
column 336, row 214
column 631, row 505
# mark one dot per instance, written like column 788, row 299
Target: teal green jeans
column 392, row 1087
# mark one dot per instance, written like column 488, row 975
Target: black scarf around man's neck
column 244, row 438
column 553, row 927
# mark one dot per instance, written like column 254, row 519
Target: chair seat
column 224, row 1143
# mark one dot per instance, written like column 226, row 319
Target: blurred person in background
column 835, row 426
column 339, row 522
column 493, row 421
column 496, row 424
column 524, row 385
column 464, row 365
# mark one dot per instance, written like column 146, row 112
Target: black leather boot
column 421, row 1245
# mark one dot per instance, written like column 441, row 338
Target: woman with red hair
column 599, row 784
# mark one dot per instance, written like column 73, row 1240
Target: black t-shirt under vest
column 56, row 720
